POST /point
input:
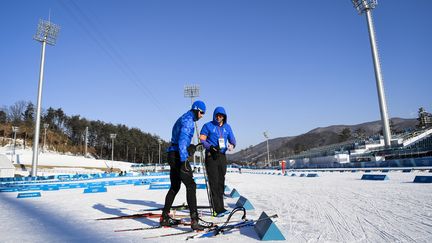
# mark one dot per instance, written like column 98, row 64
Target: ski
column 140, row 215
column 224, row 228
column 187, row 231
column 177, row 207
column 151, row 227
column 158, row 226
column 215, row 227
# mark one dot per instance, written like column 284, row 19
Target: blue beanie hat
column 199, row 105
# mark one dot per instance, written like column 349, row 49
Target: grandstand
column 370, row 152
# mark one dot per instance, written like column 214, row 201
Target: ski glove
column 214, row 151
column 185, row 167
column 193, row 148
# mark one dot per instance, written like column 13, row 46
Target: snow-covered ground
column 334, row 207
column 60, row 163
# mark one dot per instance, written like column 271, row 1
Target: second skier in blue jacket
column 217, row 137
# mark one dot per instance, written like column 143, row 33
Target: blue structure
column 159, row 186
column 95, row 189
column 267, row 229
column 243, row 202
column 29, row 194
column 374, row 177
column 234, row 193
column 423, row 179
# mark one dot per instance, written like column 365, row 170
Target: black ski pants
column 177, row 176
column 216, row 170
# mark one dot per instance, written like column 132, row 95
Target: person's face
column 200, row 114
column 219, row 118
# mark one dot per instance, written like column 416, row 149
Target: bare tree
column 16, row 112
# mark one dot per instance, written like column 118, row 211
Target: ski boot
column 166, row 221
column 221, row 214
column 199, row 224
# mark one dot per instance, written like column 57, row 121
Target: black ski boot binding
column 199, row 224
column 167, row 221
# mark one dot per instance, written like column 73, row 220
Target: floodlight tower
column 46, row 34
column 268, row 151
column 192, row 91
column 366, row 6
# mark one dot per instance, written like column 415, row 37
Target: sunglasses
column 202, row 112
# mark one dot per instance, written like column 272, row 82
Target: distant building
column 424, row 118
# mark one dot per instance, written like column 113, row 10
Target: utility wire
column 85, row 22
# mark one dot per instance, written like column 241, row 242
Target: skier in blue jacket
column 180, row 169
column 217, row 137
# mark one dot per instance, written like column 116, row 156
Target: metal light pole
column 14, row 130
column 366, row 6
column 86, row 142
column 45, row 125
column 160, row 143
column 268, row 151
column 192, row 91
column 46, row 34
column 112, row 136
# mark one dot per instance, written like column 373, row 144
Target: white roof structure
column 5, row 163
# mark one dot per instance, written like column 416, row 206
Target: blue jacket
column 213, row 131
column 182, row 134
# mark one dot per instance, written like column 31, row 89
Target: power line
column 104, row 44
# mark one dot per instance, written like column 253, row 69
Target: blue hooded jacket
column 182, row 133
column 213, row 131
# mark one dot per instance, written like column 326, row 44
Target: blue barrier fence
column 71, row 185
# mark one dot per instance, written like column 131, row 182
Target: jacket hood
column 219, row 110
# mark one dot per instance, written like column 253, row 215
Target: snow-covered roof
column 5, row 163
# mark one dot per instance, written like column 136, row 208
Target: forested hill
column 66, row 134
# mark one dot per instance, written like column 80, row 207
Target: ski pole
column 209, row 197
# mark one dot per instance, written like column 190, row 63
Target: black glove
column 185, row 167
column 214, row 151
column 191, row 149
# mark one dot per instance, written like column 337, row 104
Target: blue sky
column 280, row 66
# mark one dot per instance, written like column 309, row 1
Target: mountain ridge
column 320, row 136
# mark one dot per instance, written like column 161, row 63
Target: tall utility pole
column 366, row 6
column 85, row 142
column 268, row 151
column 192, row 91
column 160, row 143
column 112, row 136
column 14, row 130
column 46, row 34
column 45, row 125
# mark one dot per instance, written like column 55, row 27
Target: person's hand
column 191, row 149
column 185, row 167
column 214, row 151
